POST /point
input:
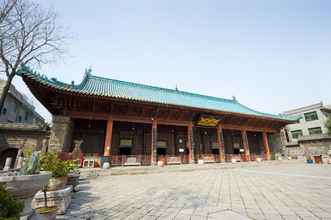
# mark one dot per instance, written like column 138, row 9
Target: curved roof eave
column 109, row 88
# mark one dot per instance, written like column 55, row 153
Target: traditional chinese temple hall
column 133, row 124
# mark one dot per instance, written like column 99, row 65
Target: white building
column 18, row 108
column 310, row 134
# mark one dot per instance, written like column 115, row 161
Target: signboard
column 208, row 121
column 126, row 143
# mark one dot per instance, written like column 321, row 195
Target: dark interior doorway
column 125, row 151
column 216, row 151
column 161, row 151
column 10, row 152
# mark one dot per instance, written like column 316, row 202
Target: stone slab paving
column 285, row 191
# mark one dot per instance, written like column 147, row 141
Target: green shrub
column 72, row 166
column 10, row 208
column 51, row 162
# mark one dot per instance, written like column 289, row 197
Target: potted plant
column 46, row 212
column 10, row 207
column 58, row 168
column 26, row 182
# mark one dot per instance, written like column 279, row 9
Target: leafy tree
column 29, row 35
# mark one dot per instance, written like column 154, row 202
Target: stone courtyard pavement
column 283, row 191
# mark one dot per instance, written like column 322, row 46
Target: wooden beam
column 266, row 146
column 190, row 142
column 108, row 138
column 246, row 145
column 247, row 128
column 154, row 142
column 220, row 142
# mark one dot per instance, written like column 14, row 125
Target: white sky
column 272, row 55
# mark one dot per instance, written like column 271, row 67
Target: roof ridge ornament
column 88, row 71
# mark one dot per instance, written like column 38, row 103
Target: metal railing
column 145, row 160
column 130, row 160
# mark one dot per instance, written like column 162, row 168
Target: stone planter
column 59, row 198
column 24, row 188
column 73, row 180
column 48, row 213
column 57, row 183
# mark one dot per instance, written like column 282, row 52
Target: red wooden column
column 245, row 145
column 109, row 133
column 154, row 142
column 266, row 146
column 220, row 142
column 190, row 142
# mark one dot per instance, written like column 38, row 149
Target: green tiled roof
column 100, row 86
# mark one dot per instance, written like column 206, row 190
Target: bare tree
column 29, row 35
column 5, row 7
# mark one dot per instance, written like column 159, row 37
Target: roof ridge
column 166, row 89
column 103, row 86
column 259, row 112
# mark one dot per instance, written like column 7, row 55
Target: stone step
column 94, row 172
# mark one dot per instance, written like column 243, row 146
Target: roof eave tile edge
column 25, row 70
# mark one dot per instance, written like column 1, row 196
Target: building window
column 4, row 111
column 311, row 116
column 26, row 116
column 296, row 134
column 317, row 130
column 19, row 118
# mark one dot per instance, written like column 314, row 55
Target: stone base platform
column 93, row 172
column 59, row 198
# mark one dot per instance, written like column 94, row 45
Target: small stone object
column 106, row 165
column 73, row 180
column 76, row 188
column 7, row 164
column 59, row 198
column 31, row 166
